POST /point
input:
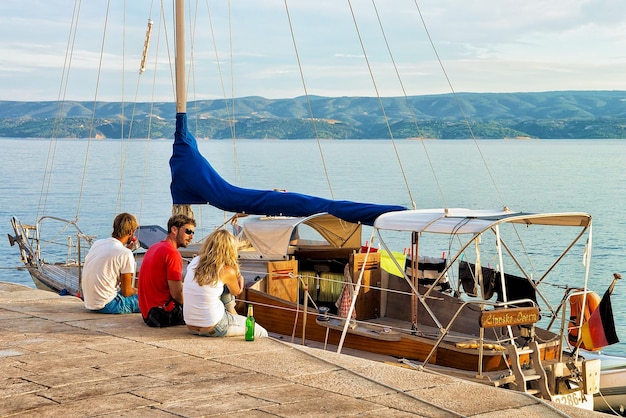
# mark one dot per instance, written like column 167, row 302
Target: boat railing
column 570, row 332
column 326, row 287
column 68, row 236
column 496, row 308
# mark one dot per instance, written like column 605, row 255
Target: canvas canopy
column 468, row 221
column 273, row 238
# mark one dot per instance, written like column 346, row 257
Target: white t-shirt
column 106, row 260
column 203, row 306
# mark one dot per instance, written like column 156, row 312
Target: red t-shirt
column 162, row 262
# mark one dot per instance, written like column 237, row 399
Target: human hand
column 133, row 244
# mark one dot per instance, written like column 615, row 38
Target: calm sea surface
column 532, row 176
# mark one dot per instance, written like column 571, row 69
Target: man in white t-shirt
column 107, row 278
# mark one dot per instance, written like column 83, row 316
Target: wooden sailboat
column 309, row 275
column 487, row 324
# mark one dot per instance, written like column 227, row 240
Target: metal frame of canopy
column 460, row 221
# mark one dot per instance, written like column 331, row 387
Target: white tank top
column 203, row 306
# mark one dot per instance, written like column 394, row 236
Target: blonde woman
column 212, row 280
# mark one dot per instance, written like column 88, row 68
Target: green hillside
column 548, row 115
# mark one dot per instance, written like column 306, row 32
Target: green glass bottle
column 250, row 325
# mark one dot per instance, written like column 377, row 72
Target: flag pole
column 616, row 277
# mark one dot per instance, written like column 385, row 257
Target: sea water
column 92, row 181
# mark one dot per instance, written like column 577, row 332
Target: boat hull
column 286, row 318
column 55, row 278
column 59, row 277
column 612, row 391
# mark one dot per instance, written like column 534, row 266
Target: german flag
column 599, row 330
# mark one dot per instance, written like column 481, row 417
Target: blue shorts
column 221, row 328
column 121, row 305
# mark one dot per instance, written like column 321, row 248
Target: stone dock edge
column 57, row 359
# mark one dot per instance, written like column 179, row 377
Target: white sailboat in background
column 479, row 311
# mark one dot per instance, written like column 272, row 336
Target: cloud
column 483, row 45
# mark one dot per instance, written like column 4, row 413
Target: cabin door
column 368, row 302
column 282, row 279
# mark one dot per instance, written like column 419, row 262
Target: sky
column 342, row 48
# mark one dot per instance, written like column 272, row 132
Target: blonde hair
column 124, row 224
column 218, row 251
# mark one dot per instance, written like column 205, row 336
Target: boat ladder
column 530, row 376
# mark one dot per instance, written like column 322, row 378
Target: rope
column 151, row 116
column 229, row 113
column 93, row 111
column 308, row 101
column 609, row 405
column 458, row 102
column 413, row 116
column 17, row 268
column 380, row 101
column 45, row 185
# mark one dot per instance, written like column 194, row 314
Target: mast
column 181, row 90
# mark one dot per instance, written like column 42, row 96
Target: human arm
column 174, row 273
column 234, row 282
column 126, row 284
column 127, row 271
column 176, row 290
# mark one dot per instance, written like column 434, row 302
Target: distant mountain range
column 546, row 115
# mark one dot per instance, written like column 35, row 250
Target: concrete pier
column 57, row 359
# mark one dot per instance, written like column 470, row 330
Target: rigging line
column 142, row 68
column 93, row 111
column 167, row 46
column 231, row 121
column 458, row 103
column 122, row 117
column 413, row 116
column 308, row 101
column 191, row 71
column 191, row 75
column 54, row 137
column 232, row 90
column 151, row 115
column 380, row 101
column 230, row 59
column 466, row 120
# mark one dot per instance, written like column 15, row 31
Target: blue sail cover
column 195, row 181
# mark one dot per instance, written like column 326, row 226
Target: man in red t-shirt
column 160, row 286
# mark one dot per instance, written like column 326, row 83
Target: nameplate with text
column 512, row 316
